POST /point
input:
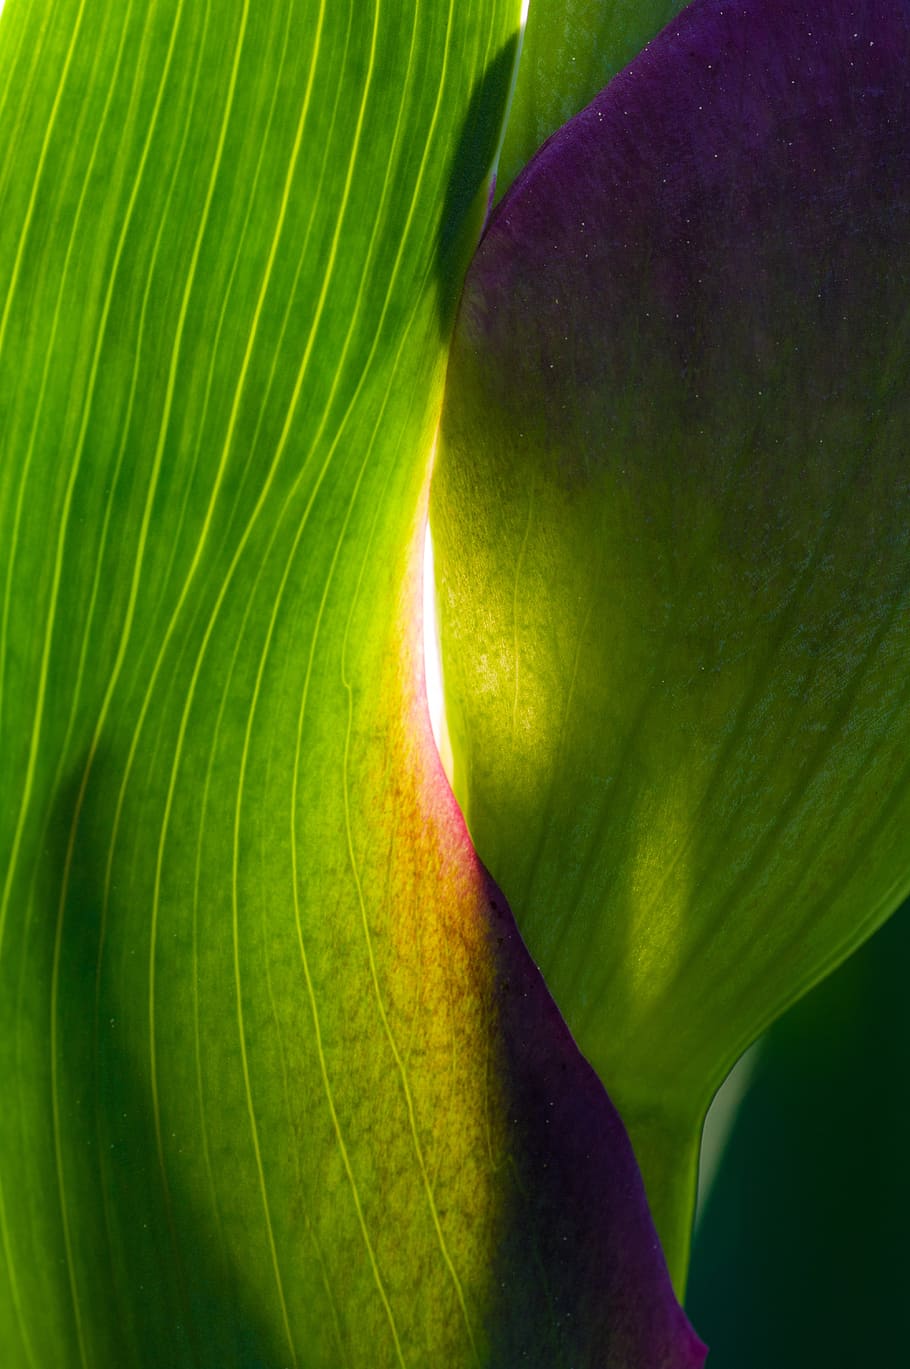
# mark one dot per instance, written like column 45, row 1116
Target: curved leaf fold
column 281, row 1086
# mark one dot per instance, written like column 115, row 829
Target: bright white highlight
column 432, row 659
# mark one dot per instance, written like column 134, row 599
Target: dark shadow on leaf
column 472, row 157
column 147, row 1297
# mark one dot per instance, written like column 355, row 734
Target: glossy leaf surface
column 670, row 515
column 281, row 1086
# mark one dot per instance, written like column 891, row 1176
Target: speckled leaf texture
column 670, row 516
column 280, row 1084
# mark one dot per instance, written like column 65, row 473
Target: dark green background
column 802, row 1257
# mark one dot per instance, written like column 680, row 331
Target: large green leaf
column 670, row 515
column 280, row 1083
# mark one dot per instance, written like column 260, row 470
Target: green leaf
column 670, row 514
column 281, row 1086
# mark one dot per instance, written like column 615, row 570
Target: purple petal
column 670, row 509
column 747, row 163
column 582, row 1208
